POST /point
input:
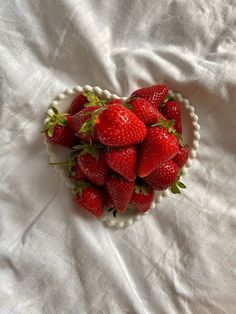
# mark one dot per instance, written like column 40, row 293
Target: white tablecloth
column 180, row 258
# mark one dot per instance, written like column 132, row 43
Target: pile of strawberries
column 121, row 152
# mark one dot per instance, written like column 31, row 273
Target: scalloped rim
column 159, row 195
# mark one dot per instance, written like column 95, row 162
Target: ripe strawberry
column 181, row 157
column 142, row 198
column 118, row 126
column 164, row 176
column 92, row 162
column 57, row 130
column 107, row 200
column 80, row 121
column 159, row 146
column 120, row 192
column 80, row 101
column 77, row 104
column 144, row 110
column 115, row 102
column 90, row 198
column 78, row 174
column 154, row 94
column 172, row 110
column 123, row 160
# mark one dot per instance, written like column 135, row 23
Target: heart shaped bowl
column 58, row 153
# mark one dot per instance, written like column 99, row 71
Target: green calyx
column 80, row 186
column 175, row 188
column 93, row 99
column 141, row 189
column 127, row 103
column 56, row 119
column 88, row 126
column 169, row 126
column 87, row 148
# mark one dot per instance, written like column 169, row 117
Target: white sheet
column 181, row 257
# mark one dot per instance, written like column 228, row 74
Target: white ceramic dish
column 59, row 153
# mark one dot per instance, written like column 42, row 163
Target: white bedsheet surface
column 180, row 258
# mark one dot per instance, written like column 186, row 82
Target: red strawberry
column 120, row 192
column 123, row 160
column 77, row 123
column 154, row 94
column 57, row 131
column 158, row 147
column 181, row 157
column 77, row 104
column 144, row 110
column 92, row 162
column 90, row 198
column 107, row 200
column 78, row 174
column 85, row 98
column 118, row 126
column 164, row 176
column 115, row 102
column 172, row 110
column 142, row 198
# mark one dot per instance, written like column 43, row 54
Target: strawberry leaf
column 94, row 152
column 128, row 105
column 144, row 190
column 62, row 121
column 181, row 185
column 50, row 131
column 167, row 98
column 137, row 189
column 171, row 123
column 161, row 123
column 80, row 186
column 86, row 127
column 55, row 110
column 175, row 189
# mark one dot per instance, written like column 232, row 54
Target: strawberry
column 107, row 200
column 123, row 160
column 82, row 100
column 90, row 198
column 118, row 126
column 77, row 104
column 78, row 174
column 181, row 157
column 57, row 130
column 92, row 162
column 142, row 198
column 144, row 110
column 115, row 102
column 120, row 192
column 77, row 121
column 172, row 110
column 164, row 176
column 154, row 94
column 159, row 146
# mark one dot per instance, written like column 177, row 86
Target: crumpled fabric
column 180, row 258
